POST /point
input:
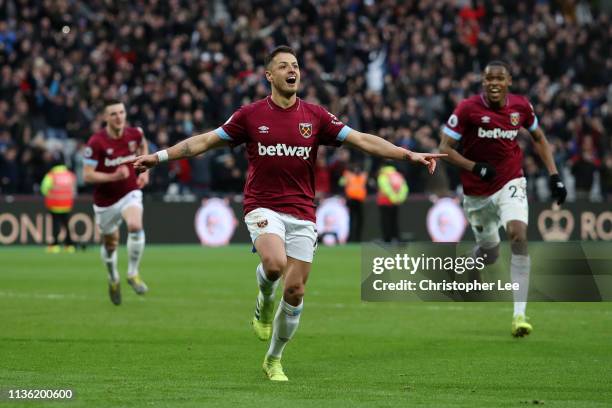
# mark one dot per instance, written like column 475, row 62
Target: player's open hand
column 121, row 173
column 426, row 159
column 145, row 162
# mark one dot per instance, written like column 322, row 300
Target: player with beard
column 486, row 127
column 282, row 134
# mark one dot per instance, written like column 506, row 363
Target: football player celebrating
column 487, row 126
column 282, row 134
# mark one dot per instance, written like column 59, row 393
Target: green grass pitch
column 188, row 342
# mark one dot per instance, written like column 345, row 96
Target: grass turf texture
column 188, row 342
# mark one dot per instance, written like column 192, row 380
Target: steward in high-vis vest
column 355, row 181
column 392, row 191
column 58, row 187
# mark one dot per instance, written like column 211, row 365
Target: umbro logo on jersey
column 263, row 129
column 281, row 149
column 486, row 119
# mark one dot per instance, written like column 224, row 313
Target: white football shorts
column 108, row 219
column 487, row 213
column 299, row 236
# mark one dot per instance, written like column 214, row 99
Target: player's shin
column 285, row 325
column 520, row 266
column 265, row 297
column 135, row 248
column 110, row 260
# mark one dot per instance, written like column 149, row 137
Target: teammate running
column 117, row 195
column 487, row 126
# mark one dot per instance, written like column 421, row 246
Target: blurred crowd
column 389, row 67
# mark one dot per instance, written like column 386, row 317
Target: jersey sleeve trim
column 343, row 133
column 223, row 134
column 90, row 162
column 451, row 133
column 534, row 126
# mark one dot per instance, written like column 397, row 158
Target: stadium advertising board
column 27, row 222
column 333, row 221
column 215, row 222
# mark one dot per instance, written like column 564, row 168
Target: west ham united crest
column 515, row 118
column 306, row 130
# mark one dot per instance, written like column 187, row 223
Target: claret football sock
column 135, row 248
column 284, row 327
column 110, row 260
column 519, row 272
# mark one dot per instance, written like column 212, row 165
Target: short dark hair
column 111, row 101
column 280, row 49
column 499, row 63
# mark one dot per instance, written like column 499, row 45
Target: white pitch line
column 316, row 305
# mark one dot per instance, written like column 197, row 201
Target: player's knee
column 517, row 231
column 110, row 246
column 294, row 293
column 517, row 236
column 134, row 226
column 518, row 239
column 111, row 241
column 274, row 265
column 489, row 255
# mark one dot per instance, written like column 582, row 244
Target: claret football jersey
column 281, row 146
column 105, row 154
column 489, row 135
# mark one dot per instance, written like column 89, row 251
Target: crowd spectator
column 584, row 166
column 391, row 67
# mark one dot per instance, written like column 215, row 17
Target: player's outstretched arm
column 542, row 147
column 380, row 147
column 448, row 145
column 190, row 147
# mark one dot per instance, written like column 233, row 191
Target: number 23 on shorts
column 518, row 190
